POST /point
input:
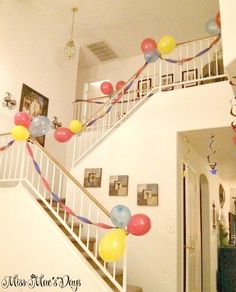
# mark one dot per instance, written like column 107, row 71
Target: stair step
column 119, row 276
column 134, row 289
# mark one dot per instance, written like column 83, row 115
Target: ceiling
column 123, row 24
column 224, row 146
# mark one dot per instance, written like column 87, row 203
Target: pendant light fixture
column 70, row 48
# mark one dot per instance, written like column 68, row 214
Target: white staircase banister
column 71, row 177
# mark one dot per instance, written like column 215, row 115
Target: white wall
column 144, row 147
column 228, row 23
column 31, row 243
column 32, row 52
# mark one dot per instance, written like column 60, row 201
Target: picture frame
column 34, row 103
column 118, row 185
column 92, row 177
column 143, row 86
column 189, row 75
column 166, row 80
column 147, row 194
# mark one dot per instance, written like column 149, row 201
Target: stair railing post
column 22, row 164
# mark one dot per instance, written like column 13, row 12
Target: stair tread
column 83, row 238
column 119, row 272
column 131, row 288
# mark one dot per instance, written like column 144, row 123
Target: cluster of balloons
column 112, row 245
column 107, row 88
column 39, row 126
column 213, row 25
column 152, row 51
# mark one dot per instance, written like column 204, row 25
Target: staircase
column 16, row 165
column 166, row 74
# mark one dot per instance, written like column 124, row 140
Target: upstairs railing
column 51, row 183
column 100, row 114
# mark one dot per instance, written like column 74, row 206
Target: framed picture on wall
column 34, row 104
column 189, row 77
column 147, row 195
column 92, row 177
column 144, row 86
column 118, row 185
column 167, row 80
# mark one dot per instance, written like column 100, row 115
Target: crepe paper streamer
column 231, row 82
column 129, row 84
column 180, row 62
column 9, row 144
column 55, row 196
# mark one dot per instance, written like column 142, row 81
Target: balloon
column 112, row 245
column 148, row 45
column 166, row 44
column 120, row 215
column 75, row 126
column 22, row 119
column 20, row 133
column 139, row 224
column 151, row 56
column 106, row 88
column 217, row 19
column 40, row 125
column 212, row 28
column 120, row 84
column 62, row 134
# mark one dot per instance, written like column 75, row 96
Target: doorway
column 205, row 232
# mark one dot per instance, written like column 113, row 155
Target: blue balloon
column 40, row 125
column 120, row 215
column 151, row 56
column 212, row 27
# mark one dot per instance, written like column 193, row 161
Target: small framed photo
column 167, row 80
column 147, row 195
column 189, row 77
column 92, row 177
column 144, row 86
column 118, row 185
column 34, row 104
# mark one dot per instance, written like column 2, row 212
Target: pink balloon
column 120, row 84
column 139, row 224
column 106, row 88
column 62, row 134
column 22, row 119
column 148, row 45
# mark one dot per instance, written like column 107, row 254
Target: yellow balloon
column 166, row 44
column 112, row 245
column 20, row 133
column 75, row 126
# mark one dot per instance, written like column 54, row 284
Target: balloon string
column 9, row 144
column 56, row 197
column 181, row 61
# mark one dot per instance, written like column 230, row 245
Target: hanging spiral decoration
column 210, row 157
column 233, row 113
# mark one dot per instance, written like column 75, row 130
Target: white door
column 192, row 232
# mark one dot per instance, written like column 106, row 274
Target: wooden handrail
column 66, row 173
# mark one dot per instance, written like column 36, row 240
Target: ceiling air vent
column 102, row 51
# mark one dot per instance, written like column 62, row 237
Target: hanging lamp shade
column 70, row 48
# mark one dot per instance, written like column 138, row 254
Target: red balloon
column 106, row 88
column 120, row 84
column 62, row 134
column 22, row 119
column 139, row 224
column 218, row 21
column 148, row 45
